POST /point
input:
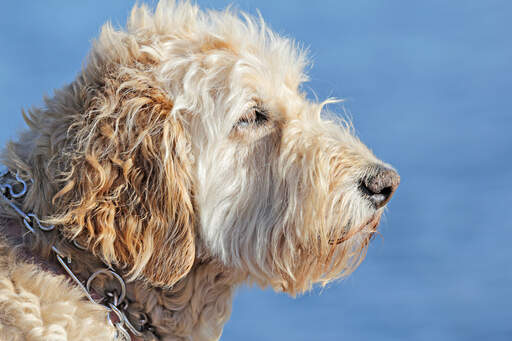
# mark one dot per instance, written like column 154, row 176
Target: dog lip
column 372, row 223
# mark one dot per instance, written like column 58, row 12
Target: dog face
column 197, row 142
column 280, row 190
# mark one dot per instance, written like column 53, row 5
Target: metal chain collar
column 115, row 303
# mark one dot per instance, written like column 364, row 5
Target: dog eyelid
column 255, row 117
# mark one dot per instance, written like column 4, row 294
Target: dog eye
column 254, row 118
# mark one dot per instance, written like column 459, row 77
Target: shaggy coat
column 185, row 156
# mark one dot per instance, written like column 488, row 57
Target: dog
column 183, row 161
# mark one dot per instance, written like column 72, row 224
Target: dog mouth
column 370, row 225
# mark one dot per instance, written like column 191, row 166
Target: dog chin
column 368, row 227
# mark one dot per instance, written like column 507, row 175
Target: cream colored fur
column 185, row 155
column 37, row 305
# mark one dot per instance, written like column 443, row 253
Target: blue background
column 428, row 84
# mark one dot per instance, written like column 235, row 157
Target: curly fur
column 153, row 160
column 36, row 305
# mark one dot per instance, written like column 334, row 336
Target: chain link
column 115, row 304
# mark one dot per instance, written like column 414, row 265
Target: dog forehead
column 266, row 72
column 226, row 44
column 274, row 60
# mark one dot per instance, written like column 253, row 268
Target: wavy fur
column 153, row 160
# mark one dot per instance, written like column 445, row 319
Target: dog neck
column 196, row 307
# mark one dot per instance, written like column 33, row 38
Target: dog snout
column 380, row 185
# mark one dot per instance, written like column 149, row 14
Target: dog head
column 188, row 136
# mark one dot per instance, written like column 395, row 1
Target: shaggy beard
column 287, row 210
column 315, row 251
column 308, row 236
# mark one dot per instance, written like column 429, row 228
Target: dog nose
column 380, row 185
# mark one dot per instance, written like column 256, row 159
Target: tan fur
column 152, row 159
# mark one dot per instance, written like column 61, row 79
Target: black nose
column 380, row 185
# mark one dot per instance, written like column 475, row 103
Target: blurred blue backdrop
column 429, row 87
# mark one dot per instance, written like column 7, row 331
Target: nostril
column 375, row 195
column 387, row 191
column 380, row 185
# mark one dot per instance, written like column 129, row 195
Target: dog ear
column 127, row 193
